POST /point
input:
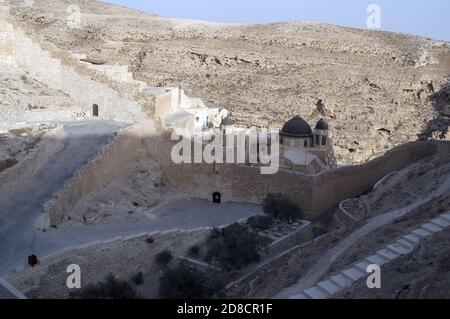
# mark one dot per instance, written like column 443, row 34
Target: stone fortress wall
column 332, row 187
column 118, row 98
column 118, row 156
column 316, row 194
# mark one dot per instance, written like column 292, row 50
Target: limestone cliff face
column 376, row 89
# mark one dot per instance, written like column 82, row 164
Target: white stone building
column 177, row 109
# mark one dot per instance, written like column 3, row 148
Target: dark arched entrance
column 95, row 110
column 217, row 198
column 32, row 260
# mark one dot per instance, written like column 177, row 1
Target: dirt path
column 324, row 264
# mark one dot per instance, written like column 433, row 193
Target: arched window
column 324, row 140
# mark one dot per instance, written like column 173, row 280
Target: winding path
column 323, row 265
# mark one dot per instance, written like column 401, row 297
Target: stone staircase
column 328, row 288
column 118, row 73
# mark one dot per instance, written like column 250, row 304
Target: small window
column 324, row 140
column 197, row 119
column 306, row 143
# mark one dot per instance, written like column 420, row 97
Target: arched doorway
column 95, row 110
column 217, row 198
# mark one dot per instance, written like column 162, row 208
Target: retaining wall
column 115, row 160
column 122, row 256
column 315, row 194
column 332, row 187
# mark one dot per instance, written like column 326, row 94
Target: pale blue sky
column 430, row 18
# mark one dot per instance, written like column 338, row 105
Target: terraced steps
column 347, row 277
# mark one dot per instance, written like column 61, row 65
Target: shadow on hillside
column 440, row 124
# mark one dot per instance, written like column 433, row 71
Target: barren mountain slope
column 376, row 89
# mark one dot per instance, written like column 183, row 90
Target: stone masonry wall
column 115, row 160
column 60, row 70
column 332, row 187
column 123, row 257
column 315, row 194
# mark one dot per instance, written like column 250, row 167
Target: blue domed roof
column 322, row 125
column 296, row 127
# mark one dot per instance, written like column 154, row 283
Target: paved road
column 182, row 214
column 19, row 214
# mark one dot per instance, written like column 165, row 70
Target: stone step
column 377, row 260
column 342, row 281
column 441, row 222
column 412, row 238
column 399, row 249
column 300, row 296
column 433, row 228
column 330, row 287
column 422, row 232
column 353, row 273
column 390, row 255
column 316, row 293
column 406, row 244
column 446, row 216
column 363, row 265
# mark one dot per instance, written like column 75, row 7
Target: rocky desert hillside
column 376, row 89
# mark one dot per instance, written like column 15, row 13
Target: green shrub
column 260, row 223
column 109, row 289
column 235, row 247
column 164, row 257
column 280, row 206
column 187, row 282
